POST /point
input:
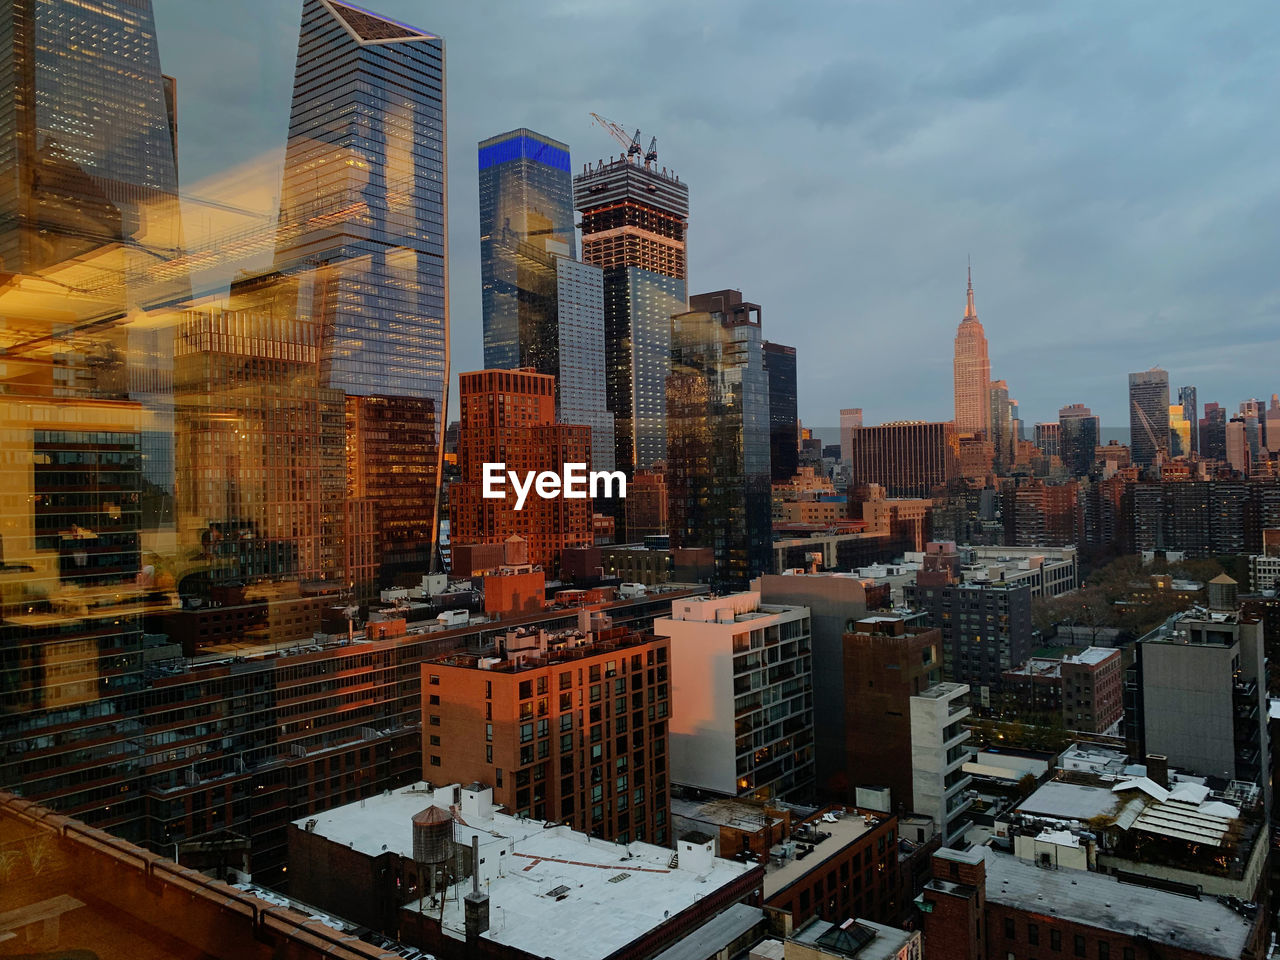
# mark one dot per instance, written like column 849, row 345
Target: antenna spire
column 970, row 313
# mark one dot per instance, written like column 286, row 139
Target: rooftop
column 853, row 938
column 1099, row 900
column 617, row 892
column 1091, row 656
column 844, row 831
column 724, row 812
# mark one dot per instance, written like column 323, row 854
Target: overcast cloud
column 1111, row 168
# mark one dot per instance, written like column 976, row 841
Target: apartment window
column 1009, row 933
column 1079, row 945
column 1128, row 953
column 435, row 700
column 1033, row 935
column 435, row 720
column 526, row 689
column 488, row 753
column 1055, row 939
column 1104, row 950
column 434, row 679
column 488, row 732
column 435, row 760
column 435, row 740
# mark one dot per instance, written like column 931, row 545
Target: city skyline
column 1060, row 264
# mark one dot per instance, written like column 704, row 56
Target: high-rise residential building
column 784, row 434
column 647, row 509
column 972, row 371
column 1078, row 435
column 909, row 458
column 1238, row 453
column 1190, row 410
column 542, row 309
column 1039, row 514
column 580, row 389
column 526, row 207
column 1149, row 416
column 718, row 436
column 939, row 784
column 566, row 727
column 508, row 417
column 363, row 227
column 849, row 418
column 634, row 219
column 741, row 696
column 1179, row 432
column 986, row 626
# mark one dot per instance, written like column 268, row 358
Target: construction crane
column 629, row 143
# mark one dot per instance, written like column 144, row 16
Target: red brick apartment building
column 569, row 727
column 509, row 416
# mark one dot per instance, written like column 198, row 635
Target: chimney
column 1158, row 769
column 476, row 905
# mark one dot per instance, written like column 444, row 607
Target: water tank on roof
column 432, row 835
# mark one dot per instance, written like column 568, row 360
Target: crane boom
column 631, row 144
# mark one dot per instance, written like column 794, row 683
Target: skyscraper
column 1078, row 435
column 1213, row 432
column 634, row 220
column 526, row 215
column 362, row 224
column 784, row 439
column 543, row 309
column 718, row 436
column 1148, row 415
column 909, row 458
column 972, row 373
column 1187, row 399
column 1003, row 426
column 1179, row 432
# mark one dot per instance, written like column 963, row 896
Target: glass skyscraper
column 1148, row 416
column 362, row 225
column 543, row 309
column 526, row 217
column 634, row 220
column 718, row 436
column 784, row 449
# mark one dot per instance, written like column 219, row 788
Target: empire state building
column 972, row 373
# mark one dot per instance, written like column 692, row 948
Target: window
column 435, row 760
column 526, row 689
column 434, row 680
column 435, row 720
column 435, row 740
column 1079, row 945
column 1033, row 934
column 1009, row 933
column 1104, row 950
column 435, row 700
column 1055, row 939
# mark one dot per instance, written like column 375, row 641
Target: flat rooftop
column 844, row 831
column 1099, row 900
column 543, row 880
column 724, row 812
column 1070, row 801
column 853, row 938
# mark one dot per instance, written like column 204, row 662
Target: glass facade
column 634, row 219
column 784, row 449
column 526, row 218
column 362, row 227
column 580, row 337
column 718, row 437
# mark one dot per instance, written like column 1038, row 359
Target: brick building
column 982, row 904
column 508, row 416
column 570, row 727
column 1085, row 690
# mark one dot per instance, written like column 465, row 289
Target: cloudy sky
column 1111, row 168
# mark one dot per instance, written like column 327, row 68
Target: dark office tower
column 910, row 458
column 1148, row 416
column 362, row 224
column 526, row 216
column 1213, row 432
column 972, row 370
column 1078, row 435
column 718, row 436
column 784, row 447
column 1187, row 399
column 1004, row 426
column 634, row 219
